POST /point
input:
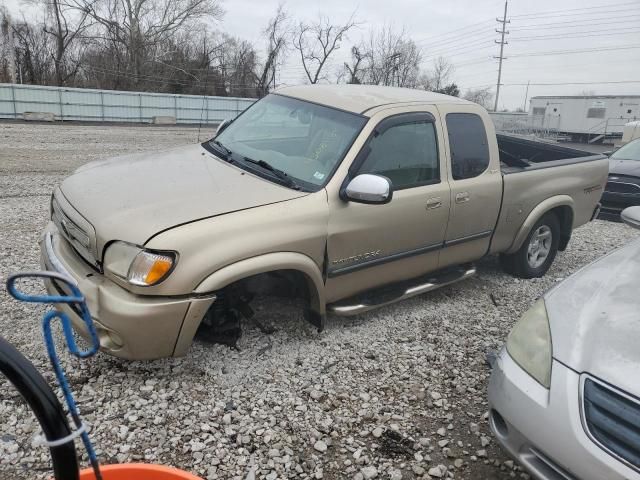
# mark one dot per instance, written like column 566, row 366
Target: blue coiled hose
column 76, row 298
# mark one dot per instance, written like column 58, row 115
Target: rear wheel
column 538, row 251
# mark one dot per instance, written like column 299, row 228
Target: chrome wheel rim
column 539, row 246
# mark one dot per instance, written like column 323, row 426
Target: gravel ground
column 396, row 393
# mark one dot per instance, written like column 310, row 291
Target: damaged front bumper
column 130, row 326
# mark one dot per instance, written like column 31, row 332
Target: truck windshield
column 304, row 140
column 631, row 151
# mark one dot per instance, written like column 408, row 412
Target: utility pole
column 502, row 43
column 526, row 95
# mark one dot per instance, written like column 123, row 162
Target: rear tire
column 538, row 251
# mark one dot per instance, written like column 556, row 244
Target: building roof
column 361, row 98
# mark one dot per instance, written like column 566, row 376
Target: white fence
column 88, row 105
column 524, row 124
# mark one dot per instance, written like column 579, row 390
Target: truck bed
column 519, row 153
column 528, row 180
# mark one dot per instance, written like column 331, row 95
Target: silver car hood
column 594, row 318
column 133, row 197
column 624, row 167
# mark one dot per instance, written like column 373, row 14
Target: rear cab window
column 468, row 145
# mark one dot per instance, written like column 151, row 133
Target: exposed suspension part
column 223, row 321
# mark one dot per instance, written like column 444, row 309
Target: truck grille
column 613, row 421
column 75, row 235
column 622, row 187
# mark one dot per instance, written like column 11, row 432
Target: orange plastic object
column 138, row 471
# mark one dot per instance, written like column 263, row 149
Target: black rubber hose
column 45, row 405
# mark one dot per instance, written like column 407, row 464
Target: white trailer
column 592, row 118
column 631, row 132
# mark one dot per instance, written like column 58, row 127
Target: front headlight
column 136, row 265
column 529, row 343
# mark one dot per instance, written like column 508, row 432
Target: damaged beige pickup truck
column 350, row 197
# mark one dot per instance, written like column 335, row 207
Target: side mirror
column 631, row 216
column 368, row 188
column 224, row 124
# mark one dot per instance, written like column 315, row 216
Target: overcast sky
column 464, row 31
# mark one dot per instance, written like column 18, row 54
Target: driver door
column 372, row 245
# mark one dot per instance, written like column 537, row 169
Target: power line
column 546, row 54
column 567, row 52
column 466, row 40
column 528, row 66
column 475, row 75
column 558, row 84
column 606, row 82
column 461, row 56
column 465, row 49
column 480, row 29
column 579, row 35
column 476, row 26
column 465, row 35
column 573, row 15
column 442, row 50
column 595, row 7
column 450, row 32
column 574, row 24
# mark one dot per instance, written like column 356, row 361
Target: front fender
column 536, row 214
column 246, row 268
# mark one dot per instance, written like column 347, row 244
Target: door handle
column 462, row 197
column 435, row 202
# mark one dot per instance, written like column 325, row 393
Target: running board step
column 400, row 291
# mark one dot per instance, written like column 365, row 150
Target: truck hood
column 624, row 167
column 594, row 318
column 134, row 197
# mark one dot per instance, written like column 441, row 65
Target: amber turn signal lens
column 158, row 270
column 150, row 268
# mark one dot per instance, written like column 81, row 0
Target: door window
column 468, row 143
column 407, row 154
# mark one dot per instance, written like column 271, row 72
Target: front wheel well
column 285, row 283
column 279, row 283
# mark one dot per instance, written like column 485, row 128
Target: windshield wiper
column 286, row 179
column 222, row 149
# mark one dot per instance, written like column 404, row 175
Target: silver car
column 564, row 393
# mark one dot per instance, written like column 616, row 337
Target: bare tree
column 276, row 34
column 134, row 27
column 237, row 65
column 7, row 49
column 355, row 69
column 32, row 53
column 316, row 42
column 481, row 96
column 64, row 25
column 149, row 45
column 441, row 73
column 391, row 58
column 438, row 77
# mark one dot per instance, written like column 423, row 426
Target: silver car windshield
column 631, row 151
column 304, row 140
